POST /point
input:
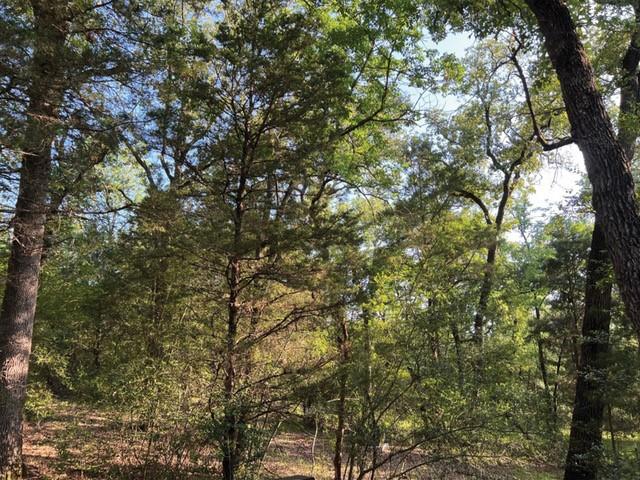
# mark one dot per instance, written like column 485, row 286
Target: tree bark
column 585, row 441
column 21, row 291
column 607, row 164
column 486, row 288
column 343, row 345
column 544, row 374
column 511, row 176
column 457, row 343
column 231, row 443
column 231, row 431
column 586, row 433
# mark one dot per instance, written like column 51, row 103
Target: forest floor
column 79, row 443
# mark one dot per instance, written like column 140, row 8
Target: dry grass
column 77, row 443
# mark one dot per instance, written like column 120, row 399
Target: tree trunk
column 457, row 344
column 21, row 291
column 231, row 438
column 608, row 166
column 585, row 441
column 586, row 437
column 370, row 414
column 159, row 312
column 232, row 435
column 485, row 292
column 488, row 278
column 542, row 365
column 343, row 345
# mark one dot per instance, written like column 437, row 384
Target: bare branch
column 140, row 161
column 546, row 146
column 478, row 201
column 489, row 141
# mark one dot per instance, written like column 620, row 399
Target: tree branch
column 546, row 146
column 478, row 201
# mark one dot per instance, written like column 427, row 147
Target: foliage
column 256, row 229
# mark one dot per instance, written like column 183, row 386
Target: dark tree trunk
column 585, row 440
column 231, row 438
column 607, row 164
column 343, row 345
column 232, row 441
column 586, row 433
column 486, row 288
column 160, row 313
column 457, row 344
column 544, row 374
column 511, row 175
column 19, row 301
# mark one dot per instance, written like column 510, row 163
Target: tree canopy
column 257, row 238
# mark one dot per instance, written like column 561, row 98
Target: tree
column 302, row 93
column 585, row 440
column 45, row 94
column 607, row 164
column 484, row 167
column 63, row 46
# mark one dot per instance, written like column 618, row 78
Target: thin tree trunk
column 488, row 277
column 231, row 438
column 343, row 345
column 542, row 363
column 485, row 292
column 556, row 383
column 608, row 165
column 457, row 344
column 313, row 445
column 160, row 289
column 368, row 383
column 614, row 446
column 369, row 415
column 20, row 295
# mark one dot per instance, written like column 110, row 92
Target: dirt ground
column 78, row 443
